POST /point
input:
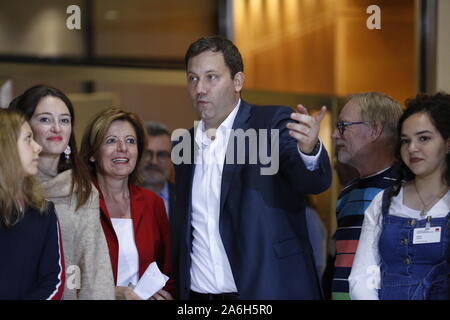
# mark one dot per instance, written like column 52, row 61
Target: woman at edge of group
column 65, row 181
column 133, row 219
column 31, row 257
column 403, row 252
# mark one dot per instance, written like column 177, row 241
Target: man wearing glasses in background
column 157, row 165
column 365, row 138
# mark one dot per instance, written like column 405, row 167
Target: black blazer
column 262, row 217
column 171, row 198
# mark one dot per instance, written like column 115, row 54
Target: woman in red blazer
column 133, row 219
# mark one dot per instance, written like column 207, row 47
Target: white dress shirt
column 128, row 264
column 364, row 280
column 210, row 268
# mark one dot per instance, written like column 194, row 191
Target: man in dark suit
column 156, row 171
column 241, row 179
column 157, row 166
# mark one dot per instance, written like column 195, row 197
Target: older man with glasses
column 365, row 138
column 157, row 164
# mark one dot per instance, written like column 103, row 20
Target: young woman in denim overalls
column 403, row 252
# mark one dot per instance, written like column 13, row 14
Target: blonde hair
column 14, row 185
column 95, row 133
column 380, row 110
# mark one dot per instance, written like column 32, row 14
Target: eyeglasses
column 341, row 125
column 160, row 155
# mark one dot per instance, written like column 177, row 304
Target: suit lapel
column 186, row 179
column 171, row 198
column 230, row 170
column 137, row 207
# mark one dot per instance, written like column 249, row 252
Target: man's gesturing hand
column 306, row 131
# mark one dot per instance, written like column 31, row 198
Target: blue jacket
column 262, row 217
column 31, row 258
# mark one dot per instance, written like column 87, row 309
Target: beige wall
column 167, row 104
column 38, row 28
column 158, row 95
column 443, row 47
column 88, row 105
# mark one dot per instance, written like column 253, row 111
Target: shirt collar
column 165, row 190
column 227, row 124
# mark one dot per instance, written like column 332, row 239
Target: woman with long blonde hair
column 31, row 259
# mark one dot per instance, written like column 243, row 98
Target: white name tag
column 427, row 235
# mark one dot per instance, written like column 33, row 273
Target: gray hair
column 156, row 128
column 380, row 110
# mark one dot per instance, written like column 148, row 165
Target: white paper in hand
column 151, row 282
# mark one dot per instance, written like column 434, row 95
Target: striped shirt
column 31, row 258
column 350, row 207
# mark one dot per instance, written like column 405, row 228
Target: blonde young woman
column 65, row 181
column 31, row 260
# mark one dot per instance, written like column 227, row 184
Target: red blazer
column 151, row 232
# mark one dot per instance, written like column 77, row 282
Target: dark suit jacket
column 262, row 217
column 171, row 198
column 174, row 238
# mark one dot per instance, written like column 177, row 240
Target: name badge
column 427, row 235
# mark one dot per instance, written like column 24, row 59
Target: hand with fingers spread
column 306, row 129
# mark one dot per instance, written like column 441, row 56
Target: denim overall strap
column 386, row 201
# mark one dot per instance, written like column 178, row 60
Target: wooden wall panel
column 376, row 60
column 151, row 29
column 287, row 45
column 325, row 47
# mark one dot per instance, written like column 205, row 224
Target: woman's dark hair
column 26, row 103
column 437, row 107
